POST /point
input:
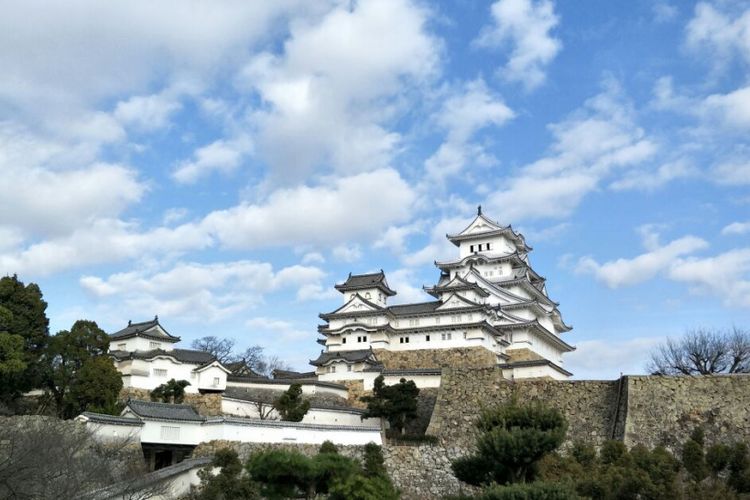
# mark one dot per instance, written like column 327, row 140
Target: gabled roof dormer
column 357, row 282
column 146, row 329
column 483, row 227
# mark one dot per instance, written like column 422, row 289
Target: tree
column 396, row 403
column 283, row 474
column 173, row 391
column 290, row 405
column 12, row 359
column 374, row 463
column 229, row 483
column 26, row 318
column 512, row 439
column 78, row 358
column 252, row 358
column 46, row 458
column 703, row 351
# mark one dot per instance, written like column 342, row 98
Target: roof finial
column 129, row 322
column 156, row 317
column 479, row 210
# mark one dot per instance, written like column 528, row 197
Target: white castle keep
column 489, row 299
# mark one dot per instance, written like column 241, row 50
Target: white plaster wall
column 190, row 432
column 533, row 372
column 306, row 388
column 289, row 433
column 421, row 381
column 240, row 408
column 175, row 370
column 205, row 379
column 115, row 433
column 500, row 245
column 139, row 344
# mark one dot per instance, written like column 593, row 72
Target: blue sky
column 222, row 164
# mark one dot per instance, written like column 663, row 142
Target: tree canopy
column 396, row 403
column 173, row 391
column 290, row 405
column 23, row 316
column 78, row 372
column 703, row 351
column 252, row 359
column 512, row 439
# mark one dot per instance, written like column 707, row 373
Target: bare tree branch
column 703, row 351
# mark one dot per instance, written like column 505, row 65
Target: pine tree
column 290, row 405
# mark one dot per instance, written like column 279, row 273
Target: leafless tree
column 221, row 349
column 703, row 351
column 251, row 359
column 265, row 410
column 46, row 458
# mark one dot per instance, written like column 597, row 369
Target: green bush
column 328, row 447
column 363, row 488
column 282, row 474
column 693, row 458
column 332, row 467
column 513, row 438
column 228, row 483
column 528, row 491
column 718, row 457
column 374, row 463
column 739, row 469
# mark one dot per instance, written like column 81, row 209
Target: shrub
column 332, row 467
column 529, row 491
column 282, row 474
column 328, row 447
column 374, row 463
column 692, row 456
column 363, row 488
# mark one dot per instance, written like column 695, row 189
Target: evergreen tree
column 173, row 391
column 12, row 359
column 396, row 403
column 290, row 405
column 95, row 388
column 27, row 319
column 512, row 440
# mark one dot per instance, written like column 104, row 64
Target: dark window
column 343, row 341
column 471, row 248
column 427, row 338
column 488, row 246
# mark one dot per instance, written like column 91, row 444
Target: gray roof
column 418, row 308
column 183, row 355
column 270, row 381
column 363, row 281
column 111, row 419
column 167, row 411
column 348, row 356
column 322, row 400
column 536, row 362
column 287, row 374
column 144, row 329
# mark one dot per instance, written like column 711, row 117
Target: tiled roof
column 266, row 380
column 348, row 356
column 150, row 409
column 183, row 355
column 418, row 308
column 363, row 281
column 144, row 329
column 111, row 419
column 287, row 374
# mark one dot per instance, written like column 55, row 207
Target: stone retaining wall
column 207, row 405
column 460, row 357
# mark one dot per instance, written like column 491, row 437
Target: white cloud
column 463, row 114
column 525, row 25
column 223, row 156
column 147, row 113
column 732, row 109
column 174, row 214
column 403, row 282
column 598, row 139
column 732, row 173
column 607, row 359
column 626, row 272
column 279, row 330
column 664, row 12
column 313, row 258
column 646, row 180
column 726, row 275
column 347, row 253
column 207, row 291
column 394, row 238
column 328, row 98
column 438, row 248
column 333, row 213
column 719, row 35
column 736, row 228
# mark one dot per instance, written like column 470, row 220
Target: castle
column 490, row 305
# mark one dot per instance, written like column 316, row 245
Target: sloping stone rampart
column 460, row 357
column 207, row 405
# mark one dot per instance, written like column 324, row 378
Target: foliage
column 703, row 351
column 328, row 447
column 290, row 405
column 173, row 391
column 23, row 316
column 12, row 359
column 282, row 474
column 374, row 463
column 230, row 483
column 513, row 438
column 359, row 487
column 739, row 469
column 396, row 403
column 77, row 371
column 693, row 458
column 331, row 468
column 529, row 491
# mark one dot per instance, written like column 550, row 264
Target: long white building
column 489, row 304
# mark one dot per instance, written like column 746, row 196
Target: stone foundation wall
column 459, row 357
column 665, row 410
column 517, row 355
column 589, row 406
column 356, row 390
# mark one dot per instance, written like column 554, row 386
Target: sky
column 224, row 163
